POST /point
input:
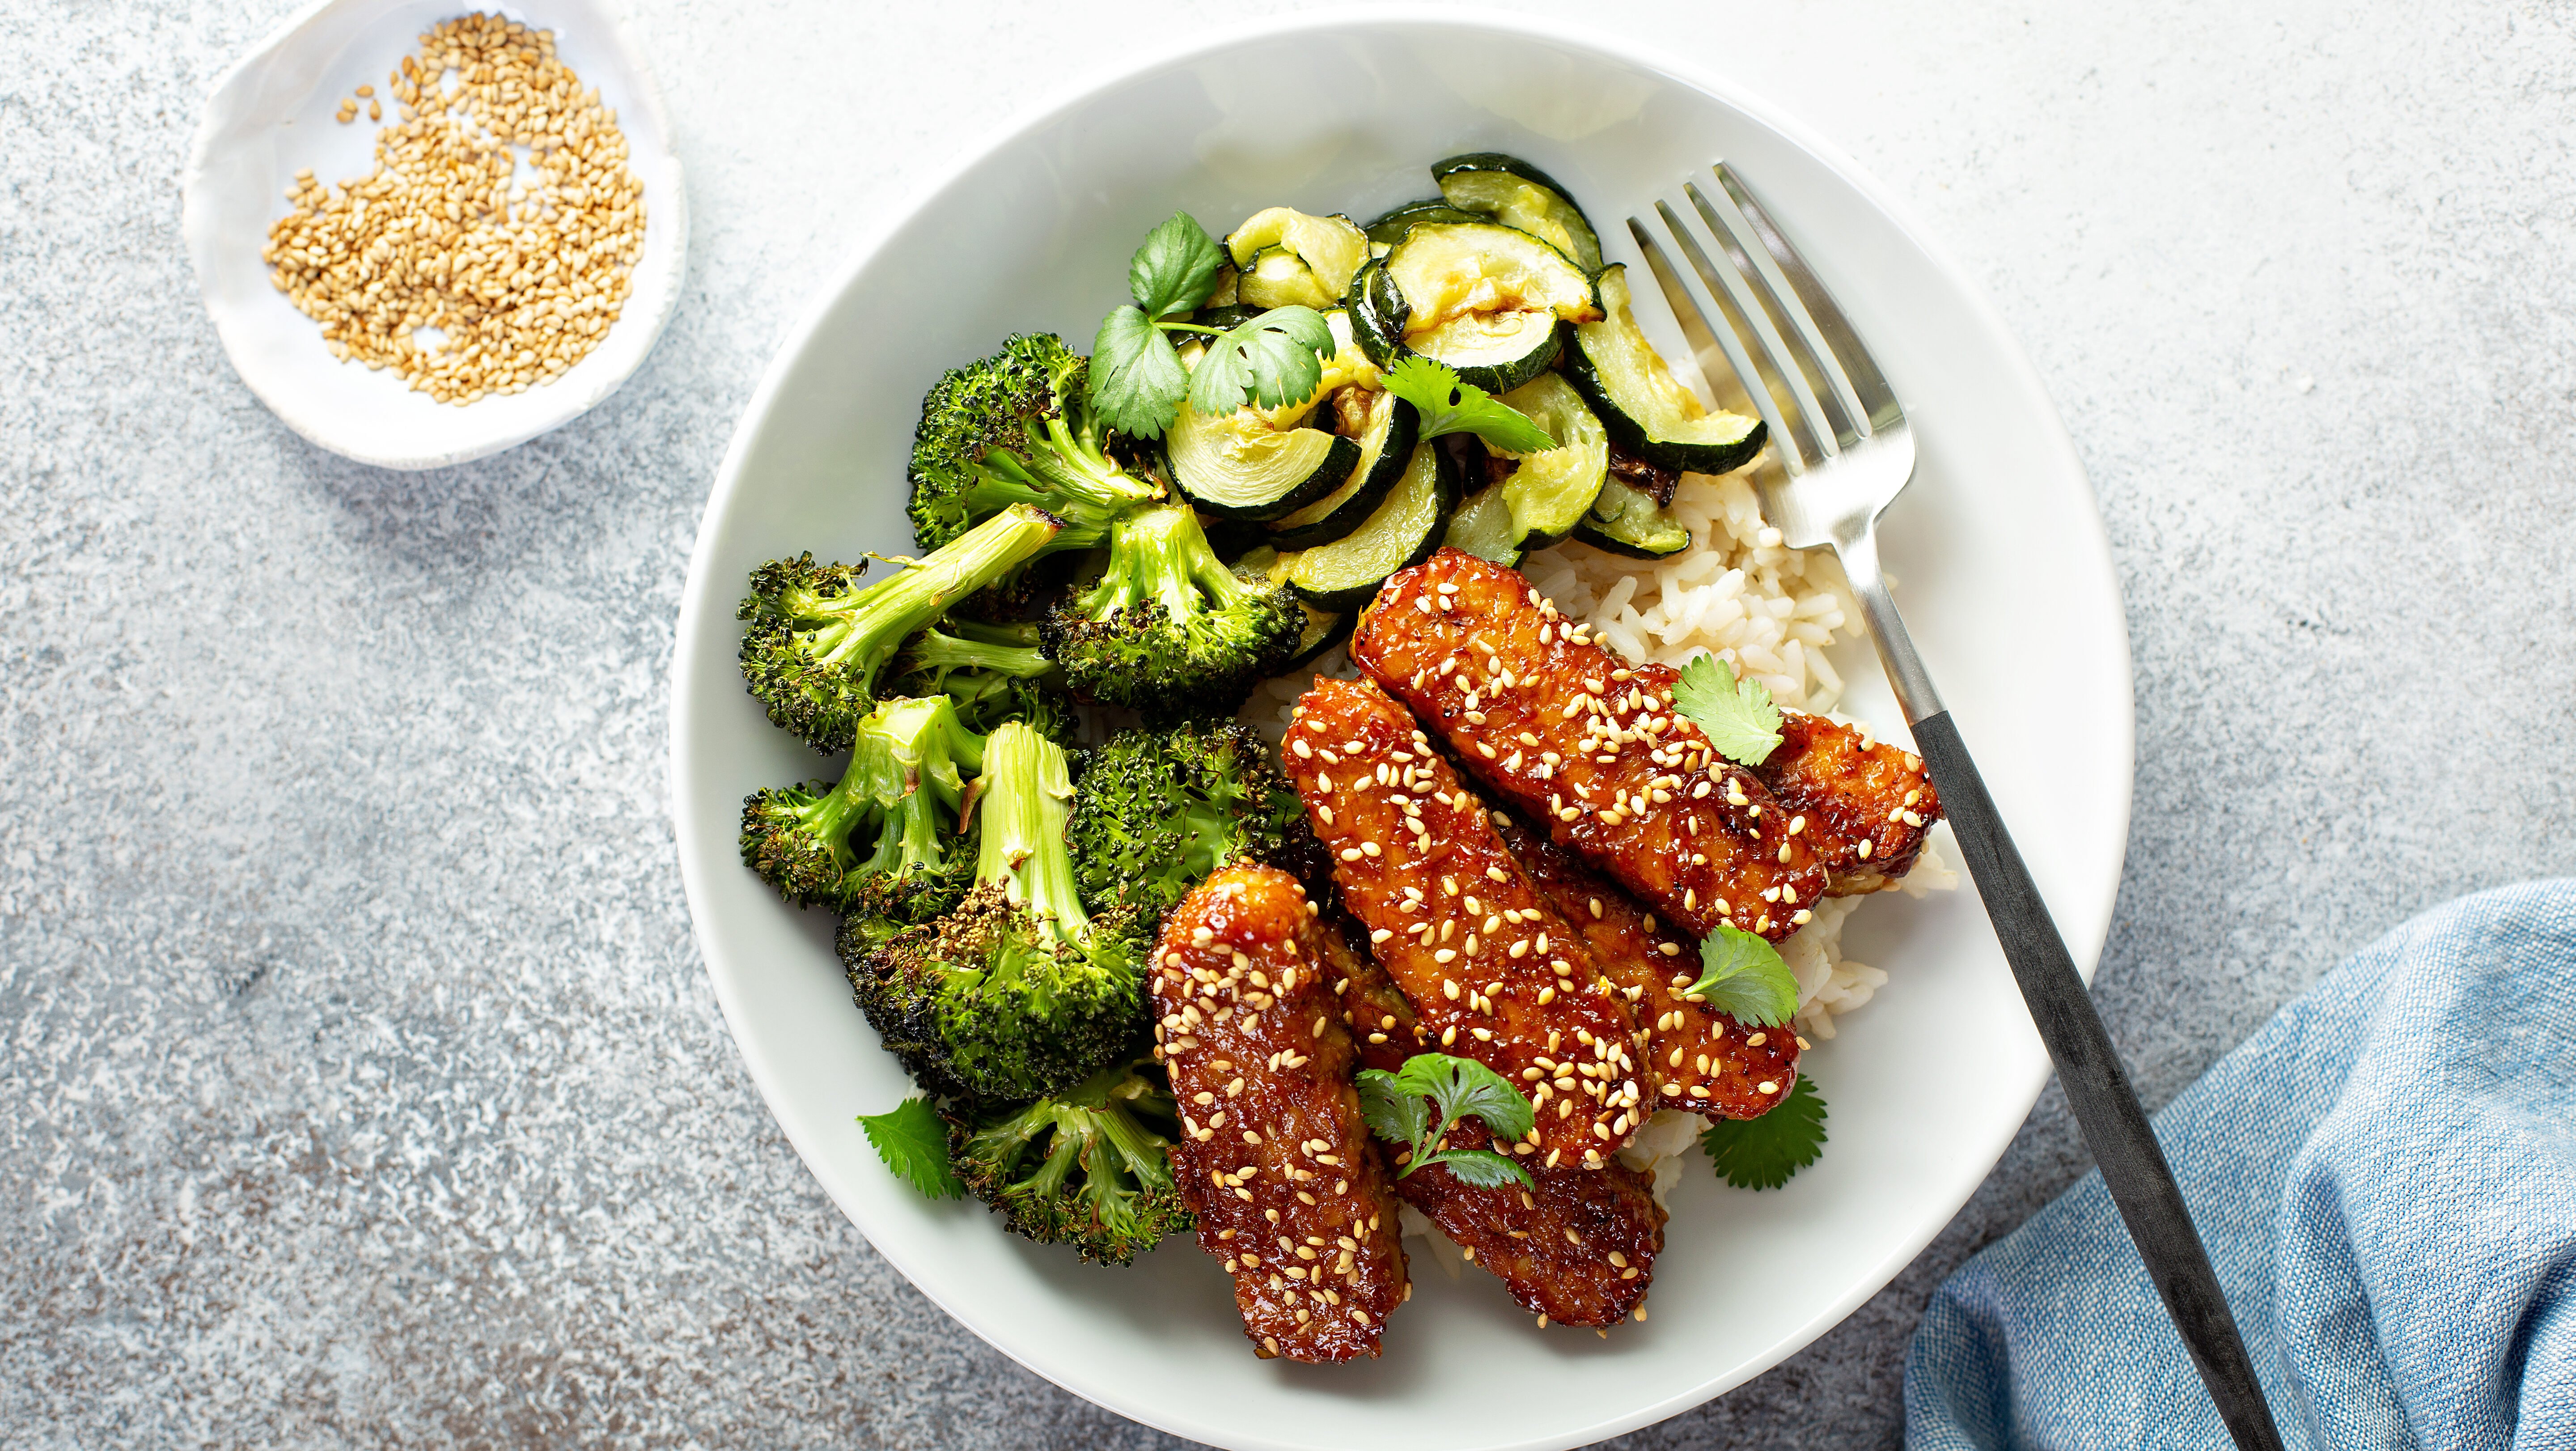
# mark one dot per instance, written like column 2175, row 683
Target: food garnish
column 1137, row 381
column 1762, row 1153
column 1450, row 406
column 913, row 1141
column 1418, row 1104
column 1737, row 715
column 1744, row 977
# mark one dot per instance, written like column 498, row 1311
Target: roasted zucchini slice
column 1242, row 466
column 1390, row 229
column 1517, row 194
column 1624, row 520
column 1550, row 492
column 1289, row 259
column 1386, row 445
column 1483, row 527
column 1403, row 531
column 1639, row 400
column 1483, row 298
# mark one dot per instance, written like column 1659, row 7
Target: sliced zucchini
column 1483, row 298
column 1386, row 444
column 1404, row 529
column 1483, row 527
column 1550, row 492
column 1643, row 405
column 1624, row 520
column 1390, row 229
column 1289, row 259
column 1517, row 194
column 1242, row 467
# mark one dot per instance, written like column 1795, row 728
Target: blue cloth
column 2386, row 1179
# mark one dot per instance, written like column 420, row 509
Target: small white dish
column 273, row 114
column 2006, row 578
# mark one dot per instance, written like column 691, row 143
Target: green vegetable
column 1242, row 465
column 1017, row 428
column 1418, row 1104
column 1647, row 410
column 1450, row 406
column 1742, row 976
column 883, row 840
column 914, row 1143
column 1017, row 992
column 1386, row 446
column 1738, row 715
column 1136, row 379
column 1167, row 629
column 1403, row 530
column 1517, row 194
column 1762, row 1153
column 1286, row 257
column 1550, row 490
column 1626, row 520
column 1090, row 1167
column 990, row 673
column 1489, row 300
column 1160, row 809
column 816, row 643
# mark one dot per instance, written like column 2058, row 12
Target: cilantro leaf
column 1449, row 406
column 1459, row 1087
column 1136, row 379
column 1176, row 268
column 1737, row 714
column 1394, row 1113
column 1743, row 977
column 1481, row 1168
column 914, row 1144
column 1272, row 359
column 1761, row 1153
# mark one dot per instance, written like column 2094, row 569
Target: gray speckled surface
column 363, row 1086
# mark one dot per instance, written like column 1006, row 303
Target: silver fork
column 1840, row 453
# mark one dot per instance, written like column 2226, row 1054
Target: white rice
column 1768, row 611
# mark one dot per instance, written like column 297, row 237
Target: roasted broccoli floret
column 992, row 673
column 1167, row 629
column 1017, row 428
column 1089, row 1167
column 1160, row 809
column 884, row 841
column 1017, row 992
column 816, row 644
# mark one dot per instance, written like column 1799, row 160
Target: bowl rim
column 698, row 594
column 614, row 28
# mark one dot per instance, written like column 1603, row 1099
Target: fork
column 1841, row 452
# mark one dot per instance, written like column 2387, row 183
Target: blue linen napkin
column 2385, row 1176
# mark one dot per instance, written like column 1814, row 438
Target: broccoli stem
column 1161, row 554
column 936, row 650
column 863, row 628
column 908, row 753
column 1064, row 473
column 1027, row 794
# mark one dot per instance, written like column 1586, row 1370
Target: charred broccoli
column 1089, row 1167
column 881, row 842
column 817, row 643
column 993, row 673
column 1160, row 809
column 1017, row 428
column 1167, row 629
column 1017, row 992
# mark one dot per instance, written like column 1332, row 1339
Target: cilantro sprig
column 1450, row 406
column 1744, row 977
column 1418, row 1104
column 1762, row 1153
column 914, row 1144
column 1137, row 381
column 1738, row 716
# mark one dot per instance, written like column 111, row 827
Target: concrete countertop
column 363, row 1085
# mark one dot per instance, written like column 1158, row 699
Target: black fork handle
column 2097, row 1088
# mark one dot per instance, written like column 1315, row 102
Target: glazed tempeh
column 1703, row 1062
column 1274, row 1161
column 1578, row 1247
column 1868, row 804
column 1383, row 1026
column 1574, row 735
column 1491, row 970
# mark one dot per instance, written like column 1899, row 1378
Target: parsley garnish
column 1737, row 715
column 1761, row 1153
column 1743, row 977
column 1449, row 406
column 1394, row 1105
column 1137, row 381
column 914, row 1144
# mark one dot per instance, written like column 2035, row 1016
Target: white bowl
column 2006, row 577
column 273, row 114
